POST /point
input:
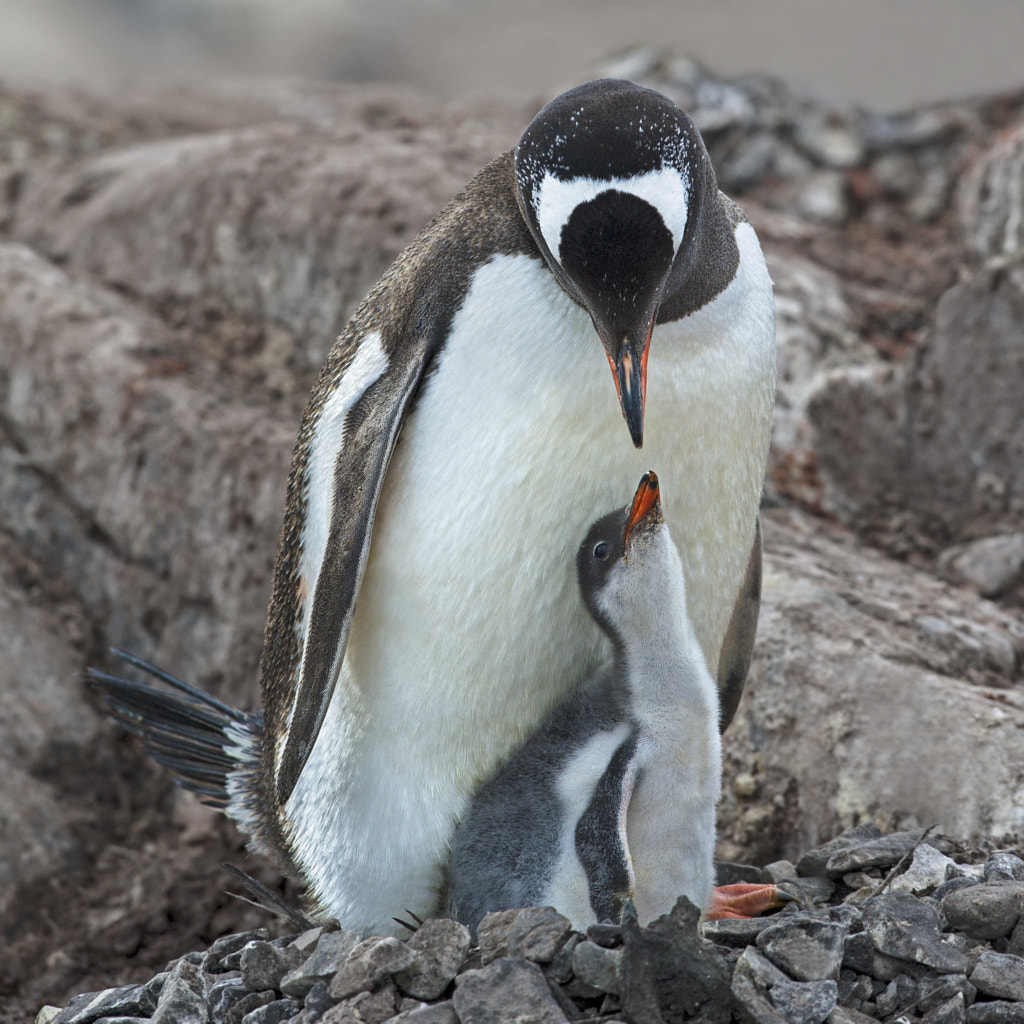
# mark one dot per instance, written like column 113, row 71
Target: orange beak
column 646, row 498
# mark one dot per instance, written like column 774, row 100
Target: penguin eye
column 601, row 551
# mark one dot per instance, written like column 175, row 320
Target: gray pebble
column 807, row 1002
column 1000, row 975
column 440, row 946
column 598, row 966
column 155, row 986
column 753, row 976
column 728, row 873
column 322, row 964
column 883, row 852
column 813, row 890
column 859, row 897
column 858, row 953
column 812, row 863
column 927, row 871
column 847, row 1015
column 952, row 1011
column 860, row 880
column 365, row 1007
column 900, row 993
column 1015, row 945
column 484, row 996
column 231, row 961
column 228, row 944
column 128, row 1000
column 986, row 911
column 668, row 964
column 863, row 988
column 1004, row 867
column 607, row 935
column 438, row 1013
column 778, row 871
column 760, row 969
column 183, row 998
column 275, row 1012
column 847, row 982
column 224, row 993
column 828, row 143
column 306, row 941
column 953, row 885
column 885, row 968
column 735, row 931
column 248, row 1003
column 263, row 965
column 902, row 926
column 806, row 947
column 821, row 196
column 992, row 565
column 317, row 1002
column 997, row 1012
column 535, row 933
column 560, row 968
column 935, row 991
column 368, row 964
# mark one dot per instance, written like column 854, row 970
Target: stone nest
column 904, row 927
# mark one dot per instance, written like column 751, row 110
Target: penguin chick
column 614, row 795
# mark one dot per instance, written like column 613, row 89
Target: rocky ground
column 881, row 928
column 173, row 266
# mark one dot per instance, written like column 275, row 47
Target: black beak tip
column 633, row 414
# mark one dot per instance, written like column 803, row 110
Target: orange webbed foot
column 745, row 900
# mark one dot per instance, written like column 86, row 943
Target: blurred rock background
column 193, row 198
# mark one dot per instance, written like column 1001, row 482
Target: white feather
column 665, row 189
column 568, row 891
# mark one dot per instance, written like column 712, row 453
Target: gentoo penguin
column 473, row 377
column 614, row 796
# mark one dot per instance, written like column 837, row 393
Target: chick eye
column 601, row 551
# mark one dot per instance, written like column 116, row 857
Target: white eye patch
column 666, row 190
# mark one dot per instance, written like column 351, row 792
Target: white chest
column 470, row 605
column 469, row 626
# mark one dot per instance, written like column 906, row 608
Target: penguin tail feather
column 209, row 747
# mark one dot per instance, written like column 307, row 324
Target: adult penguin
column 424, row 615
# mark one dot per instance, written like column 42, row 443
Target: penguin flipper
column 349, row 451
column 738, row 645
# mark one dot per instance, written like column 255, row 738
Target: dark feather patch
column 195, row 736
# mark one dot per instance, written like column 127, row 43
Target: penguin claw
column 743, row 900
column 405, row 924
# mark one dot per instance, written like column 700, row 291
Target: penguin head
column 628, row 564
column 611, row 178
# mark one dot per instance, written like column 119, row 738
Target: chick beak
column 646, row 502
